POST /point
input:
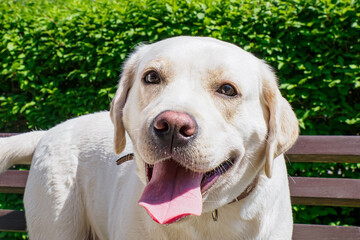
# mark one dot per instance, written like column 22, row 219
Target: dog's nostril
column 187, row 130
column 161, row 126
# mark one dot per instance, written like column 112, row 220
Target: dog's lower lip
column 211, row 177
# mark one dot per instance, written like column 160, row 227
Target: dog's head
column 200, row 112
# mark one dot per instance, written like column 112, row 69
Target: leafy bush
column 61, row 59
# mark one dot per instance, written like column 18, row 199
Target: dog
column 199, row 127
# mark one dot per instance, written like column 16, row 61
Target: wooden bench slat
column 7, row 134
column 327, row 145
column 13, row 181
column 12, row 220
column 325, row 149
column 313, row 158
column 303, row 190
column 325, row 191
column 338, row 149
column 325, row 232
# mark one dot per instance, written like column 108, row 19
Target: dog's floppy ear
column 283, row 127
column 118, row 102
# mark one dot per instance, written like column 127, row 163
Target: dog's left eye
column 228, row 90
column 152, row 77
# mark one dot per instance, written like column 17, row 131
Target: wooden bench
column 304, row 190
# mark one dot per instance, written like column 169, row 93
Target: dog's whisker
column 252, row 164
column 292, row 178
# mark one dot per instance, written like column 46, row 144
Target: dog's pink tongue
column 172, row 193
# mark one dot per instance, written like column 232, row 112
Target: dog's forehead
column 199, row 52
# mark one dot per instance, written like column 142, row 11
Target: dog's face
column 206, row 105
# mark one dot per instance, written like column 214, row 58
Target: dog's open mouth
column 208, row 179
column 174, row 192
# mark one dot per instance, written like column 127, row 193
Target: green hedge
column 62, row 59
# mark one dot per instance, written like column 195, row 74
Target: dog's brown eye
column 228, row 90
column 152, row 77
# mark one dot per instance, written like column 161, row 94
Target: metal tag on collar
column 214, row 215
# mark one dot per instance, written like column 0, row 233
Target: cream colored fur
column 76, row 191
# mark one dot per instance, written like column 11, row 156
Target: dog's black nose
column 174, row 129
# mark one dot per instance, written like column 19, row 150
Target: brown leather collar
column 125, row 158
column 247, row 191
column 243, row 195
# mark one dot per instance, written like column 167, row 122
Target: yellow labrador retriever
column 206, row 126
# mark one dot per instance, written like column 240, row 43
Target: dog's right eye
column 227, row 90
column 152, row 77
